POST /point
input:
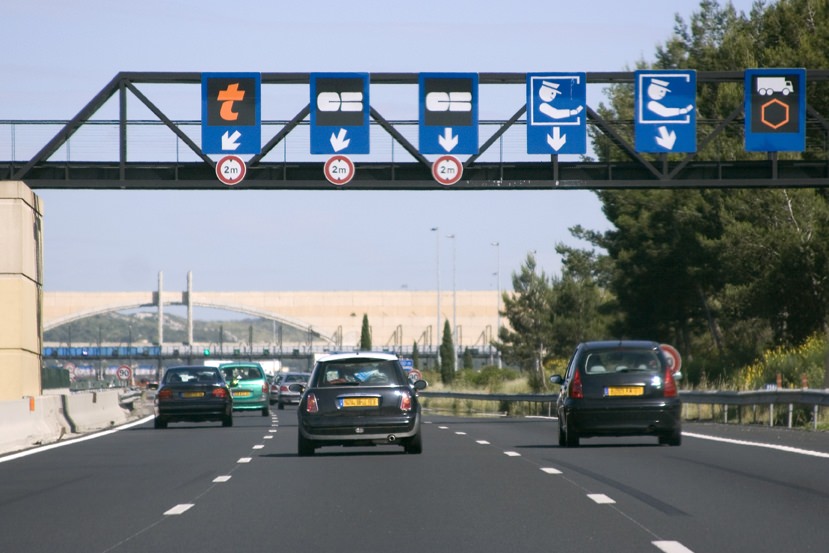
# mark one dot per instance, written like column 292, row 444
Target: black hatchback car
column 358, row 399
column 193, row 394
column 618, row 388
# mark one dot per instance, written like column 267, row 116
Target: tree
column 415, row 356
column 447, row 355
column 526, row 343
column 365, row 335
column 467, row 359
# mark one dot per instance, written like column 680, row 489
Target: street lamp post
column 498, row 324
column 454, row 304
column 436, row 230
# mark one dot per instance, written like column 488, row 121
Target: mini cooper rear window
column 364, row 373
column 616, row 361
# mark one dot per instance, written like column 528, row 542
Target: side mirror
column 420, row 385
column 297, row 387
column 557, row 379
column 678, row 376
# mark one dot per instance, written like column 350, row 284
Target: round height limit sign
column 339, row 170
column 447, row 170
column 231, row 170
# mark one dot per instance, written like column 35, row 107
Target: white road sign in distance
column 231, row 170
column 124, row 372
column 339, row 170
column 447, row 170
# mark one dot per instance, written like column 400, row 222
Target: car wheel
column 305, row 447
column 266, row 411
column 280, row 405
column 562, row 439
column 160, row 423
column 414, row 445
column 674, row 438
column 227, row 421
column 571, row 438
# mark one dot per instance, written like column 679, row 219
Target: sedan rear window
column 620, row 361
column 363, row 373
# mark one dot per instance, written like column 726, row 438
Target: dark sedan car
column 193, row 394
column 359, row 399
column 618, row 388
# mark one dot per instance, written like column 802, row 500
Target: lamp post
column 436, row 230
column 498, row 323
column 454, row 304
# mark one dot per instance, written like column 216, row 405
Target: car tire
column 673, row 438
column 305, row 447
column 562, row 438
column 571, row 436
column 266, row 411
column 414, row 445
column 160, row 423
column 280, row 405
column 227, row 421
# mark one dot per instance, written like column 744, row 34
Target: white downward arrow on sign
column 447, row 140
column 666, row 139
column 229, row 140
column 556, row 140
column 340, row 142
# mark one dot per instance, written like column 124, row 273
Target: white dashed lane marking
column 550, row 470
column 220, row 479
column 178, row 509
column 244, row 460
column 672, row 547
column 600, row 498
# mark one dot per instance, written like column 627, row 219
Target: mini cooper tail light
column 405, row 401
column 219, row 392
column 576, row 388
column 670, row 384
column 311, row 404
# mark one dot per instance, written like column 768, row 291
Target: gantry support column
column 21, row 290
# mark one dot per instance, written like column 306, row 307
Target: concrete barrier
column 29, row 422
column 91, row 411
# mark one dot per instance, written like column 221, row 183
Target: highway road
column 482, row 485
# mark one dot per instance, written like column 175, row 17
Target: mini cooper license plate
column 361, row 401
column 617, row 391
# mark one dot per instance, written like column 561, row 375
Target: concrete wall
column 21, row 290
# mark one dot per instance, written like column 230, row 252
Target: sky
column 57, row 55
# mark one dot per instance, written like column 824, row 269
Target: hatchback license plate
column 192, row 394
column 241, row 393
column 361, row 401
column 624, row 391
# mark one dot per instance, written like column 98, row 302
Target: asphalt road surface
column 481, row 485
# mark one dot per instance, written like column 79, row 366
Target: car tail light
column 219, row 392
column 283, row 389
column 265, row 388
column 165, row 393
column 405, row 401
column 670, row 384
column 576, row 388
column 311, row 404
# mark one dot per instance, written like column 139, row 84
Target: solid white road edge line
column 787, row 449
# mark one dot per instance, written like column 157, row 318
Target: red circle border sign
column 334, row 169
column 231, row 170
column 447, row 170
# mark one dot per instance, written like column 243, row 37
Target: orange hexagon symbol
column 769, row 123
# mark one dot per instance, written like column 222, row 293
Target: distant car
column 618, row 388
column 284, row 395
column 193, row 394
column 248, row 385
column 358, row 399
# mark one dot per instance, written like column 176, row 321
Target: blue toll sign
column 340, row 113
column 665, row 106
column 448, row 113
column 556, row 117
column 231, row 113
column 775, row 108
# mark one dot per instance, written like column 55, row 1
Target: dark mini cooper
column 193, row 394
column 359, row 399
column 618, row 388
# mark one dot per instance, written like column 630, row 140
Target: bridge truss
column 500, row 163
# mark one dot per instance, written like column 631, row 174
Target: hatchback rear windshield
column 620, row 361
column 359, row 373
column 191, row 375
column 241, row 373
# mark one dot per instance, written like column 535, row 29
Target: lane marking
column 443, row 427
column 272, row 430
column 267, row 437
column 787, row 449
column 221, row 479
column 259, row 446
column 671, row 547
column 550, row 470
column 600, row 498
column 482, row 442
column 178, row 509
column 244, row 460
column 461, row 433
column 512, row 454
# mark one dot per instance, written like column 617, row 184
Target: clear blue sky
column 57, row 55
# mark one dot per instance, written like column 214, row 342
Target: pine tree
column 415, row 356
column 365, row 335
column 447, row 355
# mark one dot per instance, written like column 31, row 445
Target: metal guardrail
column 723, row 398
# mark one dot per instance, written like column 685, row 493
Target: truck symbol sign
column 766, row 86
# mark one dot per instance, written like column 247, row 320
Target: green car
column 248, row 386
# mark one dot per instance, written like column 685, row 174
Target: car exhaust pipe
column 392, row 438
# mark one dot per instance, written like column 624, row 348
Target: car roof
column 610, row 344
column 240, row 364
column 358, row 355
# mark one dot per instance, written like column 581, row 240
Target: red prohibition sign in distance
column 674, row 359
column 447, row 170
column 231, row 170
column 339, row 170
